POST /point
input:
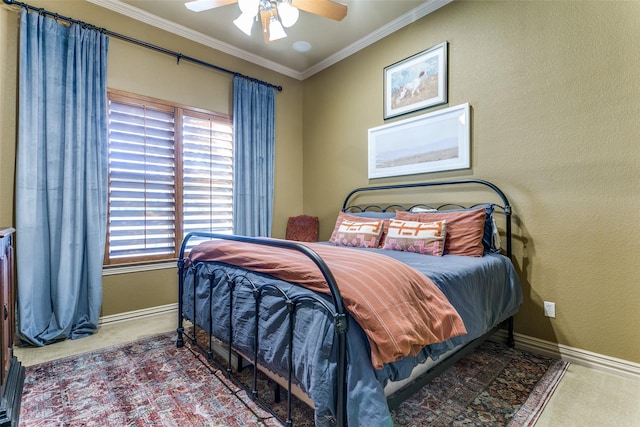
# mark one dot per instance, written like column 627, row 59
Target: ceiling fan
column 274, row 14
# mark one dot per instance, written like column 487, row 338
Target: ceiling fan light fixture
column 244, row 22
column 199, row 5
column 250, row 7
column 276, row 32
column 273, row 14
column 288, row 14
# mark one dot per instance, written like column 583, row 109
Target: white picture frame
column 433, row 142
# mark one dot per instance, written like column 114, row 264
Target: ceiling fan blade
column 327, row 8
column 200, row 5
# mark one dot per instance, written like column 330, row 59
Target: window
column 170, row 173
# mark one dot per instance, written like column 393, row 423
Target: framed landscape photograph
column 433, row 142
column 417, row 82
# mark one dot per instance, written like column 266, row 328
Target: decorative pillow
column 490, row 241
column 356, row 218
column 465, row 229
column 360, row 234
column 421, row 237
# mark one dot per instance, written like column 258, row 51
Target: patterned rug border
column 531, row 410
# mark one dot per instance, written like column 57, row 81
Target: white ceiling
column 367, row 21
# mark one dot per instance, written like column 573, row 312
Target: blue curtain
column 254, row 153
column 61, row 179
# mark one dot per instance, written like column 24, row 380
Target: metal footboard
column 292, row 303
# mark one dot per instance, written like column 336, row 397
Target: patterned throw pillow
column 412, row 236
column 465, row 229
column 357, row 218
column 360, row 234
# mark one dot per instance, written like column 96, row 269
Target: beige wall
column 555, row 99
column 8, row 101
column 137, row 69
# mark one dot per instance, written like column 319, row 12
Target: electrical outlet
column 550, row 309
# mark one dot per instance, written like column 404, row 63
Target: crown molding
column 189, row 34
column 382, row 32
column 182, row 31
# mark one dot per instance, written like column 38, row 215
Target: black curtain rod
column 178, row 56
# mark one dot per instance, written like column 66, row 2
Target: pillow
column 490, row 239
column 465, row 229
column 495, row 243
column 373, row 214
column 421, row 237
column 355, row 217
column 360, row 234
column 490, row 229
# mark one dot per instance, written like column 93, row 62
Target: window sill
column 109, row 270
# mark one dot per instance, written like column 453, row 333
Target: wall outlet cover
column 550, row 309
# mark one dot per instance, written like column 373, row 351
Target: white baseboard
column 578, row 356
column 137, row 314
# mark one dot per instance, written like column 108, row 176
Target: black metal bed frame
column 337, row 311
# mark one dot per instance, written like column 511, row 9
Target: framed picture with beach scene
column 433, row 142
column 417, row 82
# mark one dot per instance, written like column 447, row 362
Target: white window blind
column 207, row 168
column 141, row 182
column 170, row 173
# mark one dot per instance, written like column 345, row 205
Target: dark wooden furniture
column 11, row 371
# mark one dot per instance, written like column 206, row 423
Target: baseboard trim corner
column 138, row 314
column 578, row 356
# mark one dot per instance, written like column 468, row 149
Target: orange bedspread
column 399, row 308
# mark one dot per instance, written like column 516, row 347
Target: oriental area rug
column 152, row 383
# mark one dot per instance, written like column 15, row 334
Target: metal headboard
column 505, row 207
